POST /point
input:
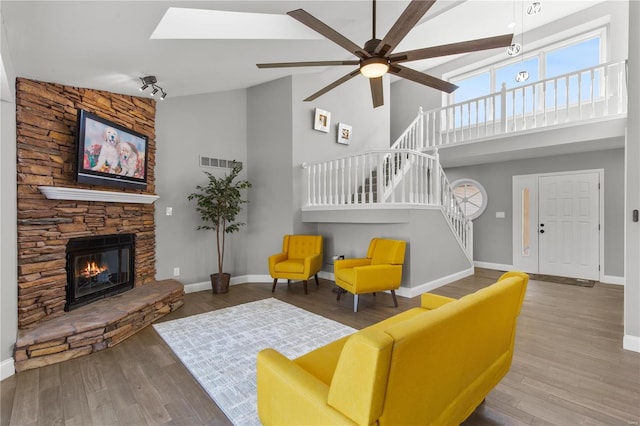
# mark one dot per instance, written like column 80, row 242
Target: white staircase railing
column 383, row 177
column 589, row 94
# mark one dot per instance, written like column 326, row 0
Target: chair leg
column 275, row 281
column 317, row 282
column 395, row 301
column 305, row 287
column 339, row 290
column 355, row 303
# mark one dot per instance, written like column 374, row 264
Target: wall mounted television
column 110, row 154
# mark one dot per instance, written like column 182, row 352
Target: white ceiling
column 107, row 45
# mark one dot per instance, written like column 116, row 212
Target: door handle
column 542, row 231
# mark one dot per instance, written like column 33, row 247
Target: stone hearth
column 97, row 326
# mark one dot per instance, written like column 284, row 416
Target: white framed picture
column 322, row 120
column 344, row 133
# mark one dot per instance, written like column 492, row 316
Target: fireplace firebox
column 98, row 267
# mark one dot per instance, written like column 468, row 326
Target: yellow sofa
column 431, row 365
column 300, row 259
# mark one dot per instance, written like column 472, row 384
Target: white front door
column 556, row 230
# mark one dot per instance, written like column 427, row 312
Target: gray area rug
column 219, row 348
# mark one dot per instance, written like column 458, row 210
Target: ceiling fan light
column 374, row 67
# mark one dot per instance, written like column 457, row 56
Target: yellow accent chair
column 381, row 270
column 301, row 258
column 431, row 365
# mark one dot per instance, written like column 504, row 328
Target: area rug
column 219, row 348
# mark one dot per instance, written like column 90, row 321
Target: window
column 561, row 58
column 471, row 196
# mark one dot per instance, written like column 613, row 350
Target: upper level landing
column 571, row 138
column 585, row 110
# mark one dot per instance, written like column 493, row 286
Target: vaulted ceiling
column 109, row 45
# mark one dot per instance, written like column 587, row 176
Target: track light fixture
column 151, row 80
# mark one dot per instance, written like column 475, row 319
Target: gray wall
column 270, row 148
column 281, row 138
column 349, row 103
column 213, row 125
column 8, row 209
column 407, row 96
column 493, row 237
column 632, row 275
column 430, row 239
column 425, row 230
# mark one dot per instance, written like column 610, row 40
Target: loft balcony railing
column 382, row 178
column 593, row 93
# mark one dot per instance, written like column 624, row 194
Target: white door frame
column 516, row 223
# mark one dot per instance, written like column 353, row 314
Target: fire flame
column 92, row 269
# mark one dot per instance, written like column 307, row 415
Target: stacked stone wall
column 46, row 116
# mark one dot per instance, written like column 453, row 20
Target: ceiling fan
column 376, row 57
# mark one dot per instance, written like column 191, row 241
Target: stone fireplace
column 49, row 228
column 46, row 116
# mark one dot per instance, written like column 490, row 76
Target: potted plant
column 219, row 203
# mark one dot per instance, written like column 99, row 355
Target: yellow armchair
column 381, row 270
column 301, row 258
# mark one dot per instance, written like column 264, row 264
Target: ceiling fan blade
column 376, row 91
column 453, row 48
column 325, row 30
column 333, row 85
column 422, row 78
column 306, row 64
column 409, row 18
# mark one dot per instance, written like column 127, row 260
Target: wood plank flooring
column 569, row 367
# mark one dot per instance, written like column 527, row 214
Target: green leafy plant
column 219, row 203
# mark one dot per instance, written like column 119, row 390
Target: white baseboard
column 610, row 279
column 631, row 343
column 426, row 287
column 240, row 279
column 195, row 287
column 252, row 278
column 327, row 275
column 7, row 368
column 494, row 266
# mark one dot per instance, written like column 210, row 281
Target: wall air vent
column 217, row 162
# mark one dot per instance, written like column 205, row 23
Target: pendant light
column 523, row 75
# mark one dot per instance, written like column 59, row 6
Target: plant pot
column 220, row 283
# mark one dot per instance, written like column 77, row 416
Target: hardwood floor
column 569, row 367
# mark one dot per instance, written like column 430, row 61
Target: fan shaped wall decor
column 376, row 57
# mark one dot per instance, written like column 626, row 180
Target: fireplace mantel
column 77, row 194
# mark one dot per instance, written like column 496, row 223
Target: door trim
column 601, row 233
